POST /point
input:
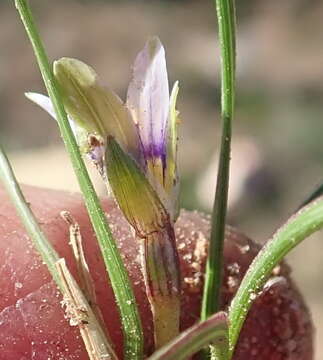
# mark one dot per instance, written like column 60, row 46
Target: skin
column 32, row 323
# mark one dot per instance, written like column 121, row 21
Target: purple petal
column 148, row 98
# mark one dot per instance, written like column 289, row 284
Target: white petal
column 46, row 104
column 43, row 101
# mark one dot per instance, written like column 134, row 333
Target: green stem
column 47, row 252
column 212, row 331
column 298, row 227
column 213, row 277
column 132, row 329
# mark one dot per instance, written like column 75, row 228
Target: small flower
column 134, row 146
column 145, row 127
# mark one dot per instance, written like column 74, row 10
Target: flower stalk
column 160, row 265
column 155, row 232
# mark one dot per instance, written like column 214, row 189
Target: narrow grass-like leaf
column 93, row 333
column 131, row 323
column 213, row 277
column 305, row 222
column 213, row 331
column 315, row 194
column 48, row 253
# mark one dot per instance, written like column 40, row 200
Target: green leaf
column 314, row 195
column 301, row 225
column 213, row 276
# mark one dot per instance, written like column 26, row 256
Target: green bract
column 94, row 108
column 134, row 194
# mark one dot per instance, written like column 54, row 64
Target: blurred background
column 277, row 157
